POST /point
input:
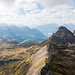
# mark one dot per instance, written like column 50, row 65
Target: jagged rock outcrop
column 63, row 37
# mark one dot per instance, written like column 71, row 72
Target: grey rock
column 49, row 73
column 63, row 37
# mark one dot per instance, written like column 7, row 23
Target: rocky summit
column 61, row 54
column 63, row 36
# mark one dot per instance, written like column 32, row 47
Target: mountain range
column 49, row 29
column 53, row 56
column 63, row 36
column 61, row 57
column 21, row 34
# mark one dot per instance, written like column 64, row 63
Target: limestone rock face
column 63, row 36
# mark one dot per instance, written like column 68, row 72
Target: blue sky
column 37, row 12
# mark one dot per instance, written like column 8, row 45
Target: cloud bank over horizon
column 37, row 12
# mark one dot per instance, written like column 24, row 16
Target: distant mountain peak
column 64, row 32
column 63, row 36
column 21, row 34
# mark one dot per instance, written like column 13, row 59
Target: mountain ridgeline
column 53, row 56
column 52, row 28
column 63, row 36
column 61, row 53
column 21, row 34
column 2, row 40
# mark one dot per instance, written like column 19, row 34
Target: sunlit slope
column 16, row 61
column 38, row 62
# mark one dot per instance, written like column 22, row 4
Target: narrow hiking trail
column 38, row 61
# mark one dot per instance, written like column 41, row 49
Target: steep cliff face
column 63, row 36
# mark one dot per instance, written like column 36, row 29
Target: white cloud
column 54, row 11
column 53, row 3
column 8, row 2
column 30, row 6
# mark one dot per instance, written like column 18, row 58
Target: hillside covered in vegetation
column 54, row 56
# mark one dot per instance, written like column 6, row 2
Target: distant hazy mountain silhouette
column 21, row 34
column 52, row 28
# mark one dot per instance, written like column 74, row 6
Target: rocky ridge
column 61, row 54
column 63, row 36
